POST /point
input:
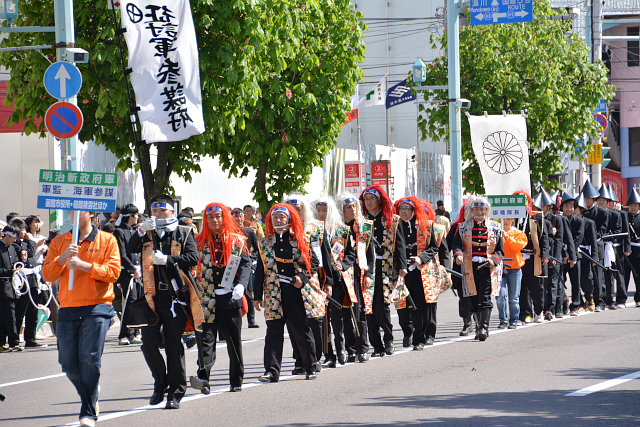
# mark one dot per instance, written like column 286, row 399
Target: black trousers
column 251, row 311
column 635, row 261
column 26, row 311
column 295, row 317
column 615, row 293
column 581, row 280
column 356, row 343
column 405, row 319
column 598, row 279
column 531, row 292
column 173, row 374
column 381, row 317
column 552, row 287
column 482, row 279
column 424, row 315
column 229, row 322
column 8, row 332
column 121, row 295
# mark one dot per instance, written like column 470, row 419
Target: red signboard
column 618, row 183
column 380, row 169
column 351, row 170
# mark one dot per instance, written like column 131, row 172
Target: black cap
column 567, row 197
column 580, row 200
column 604, row 192
column 612, row 193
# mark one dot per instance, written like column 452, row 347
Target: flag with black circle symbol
column 501, row 149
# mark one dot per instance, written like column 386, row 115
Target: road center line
column 605, row 385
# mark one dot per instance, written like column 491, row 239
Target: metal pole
column 596, row 11
column 65, row 38
column 455, row 136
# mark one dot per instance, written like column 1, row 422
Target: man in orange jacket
column 86, row 310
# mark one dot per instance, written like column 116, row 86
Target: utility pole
column 455, row 127
column 596, row 54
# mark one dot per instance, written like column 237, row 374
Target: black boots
column 466, row 327
column 476, row 320
column 483, row 333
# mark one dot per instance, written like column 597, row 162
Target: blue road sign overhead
column 601, row 107
column 62, row 80
column 488, row 12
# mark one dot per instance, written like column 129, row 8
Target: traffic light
column 605, row 159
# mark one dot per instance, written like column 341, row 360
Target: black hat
column 580, row 200
column 566, row 197
column 612, row 193
column 589, row 191
column 604, row 193
column 537, row 201
column 634, row 197
column 555, row 196
column 546, row 198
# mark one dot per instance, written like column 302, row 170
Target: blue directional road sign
column 487, row 12
column 601, row 107
column 63, row 120
column 62, row 80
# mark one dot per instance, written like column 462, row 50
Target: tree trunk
column 154, row 181
column 260, row 188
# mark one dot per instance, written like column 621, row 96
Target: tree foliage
column 541, row 67
column 275, row 75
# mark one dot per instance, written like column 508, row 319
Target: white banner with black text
column 163, row 57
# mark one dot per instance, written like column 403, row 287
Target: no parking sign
column 64, row 120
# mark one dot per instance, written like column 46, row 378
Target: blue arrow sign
column 62, row 80
column 487, row 12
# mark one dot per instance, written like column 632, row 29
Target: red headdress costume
column 206, row 235
column 460, row 217
column 385, row 202
column 296, row 229
column 422, row 216
column 529, row 200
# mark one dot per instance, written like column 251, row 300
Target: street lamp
column 8, row 10
column 419, row 71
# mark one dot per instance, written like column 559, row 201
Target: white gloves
column 238, row 291
column 159, row 258
column 148, row 224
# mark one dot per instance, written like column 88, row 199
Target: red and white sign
column 380, row 170
column 353, row 177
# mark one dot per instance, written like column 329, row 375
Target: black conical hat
column 589, row 191
column 612, row 193
column 546, row 198
column 566, row 196
column 604, row 192
column 555, row 196
column 580, row 200
column 634, row 197
column 537, row 201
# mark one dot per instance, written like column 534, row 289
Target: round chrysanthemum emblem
column 502, row 152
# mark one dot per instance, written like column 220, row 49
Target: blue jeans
column 510, row 283
column 80, row 344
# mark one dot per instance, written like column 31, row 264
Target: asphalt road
column 522, row 376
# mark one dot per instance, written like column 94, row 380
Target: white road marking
column 605, row 385
column 32, row 379
column 287, row 377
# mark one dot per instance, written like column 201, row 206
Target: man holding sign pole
column 85, row 311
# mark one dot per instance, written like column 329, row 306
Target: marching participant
column 514, row 241
column 584, row 276
column 391, row 262
column 168, row 251
column 342, row 259
column 319, row 244
column 601, row 218
column 426, row 278
column 613, row 256
column 622, row 249
column 634, row 234
column 224, row 267
column 360, row 239
column 478, row 248
column 287, row 289
column 464, row 304
column 252, row 246
column 535, row 269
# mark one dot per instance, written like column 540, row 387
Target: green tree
column 253, row 54
column 539, row 66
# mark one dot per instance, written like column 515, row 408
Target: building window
column 634, row 146
column 633, row 47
